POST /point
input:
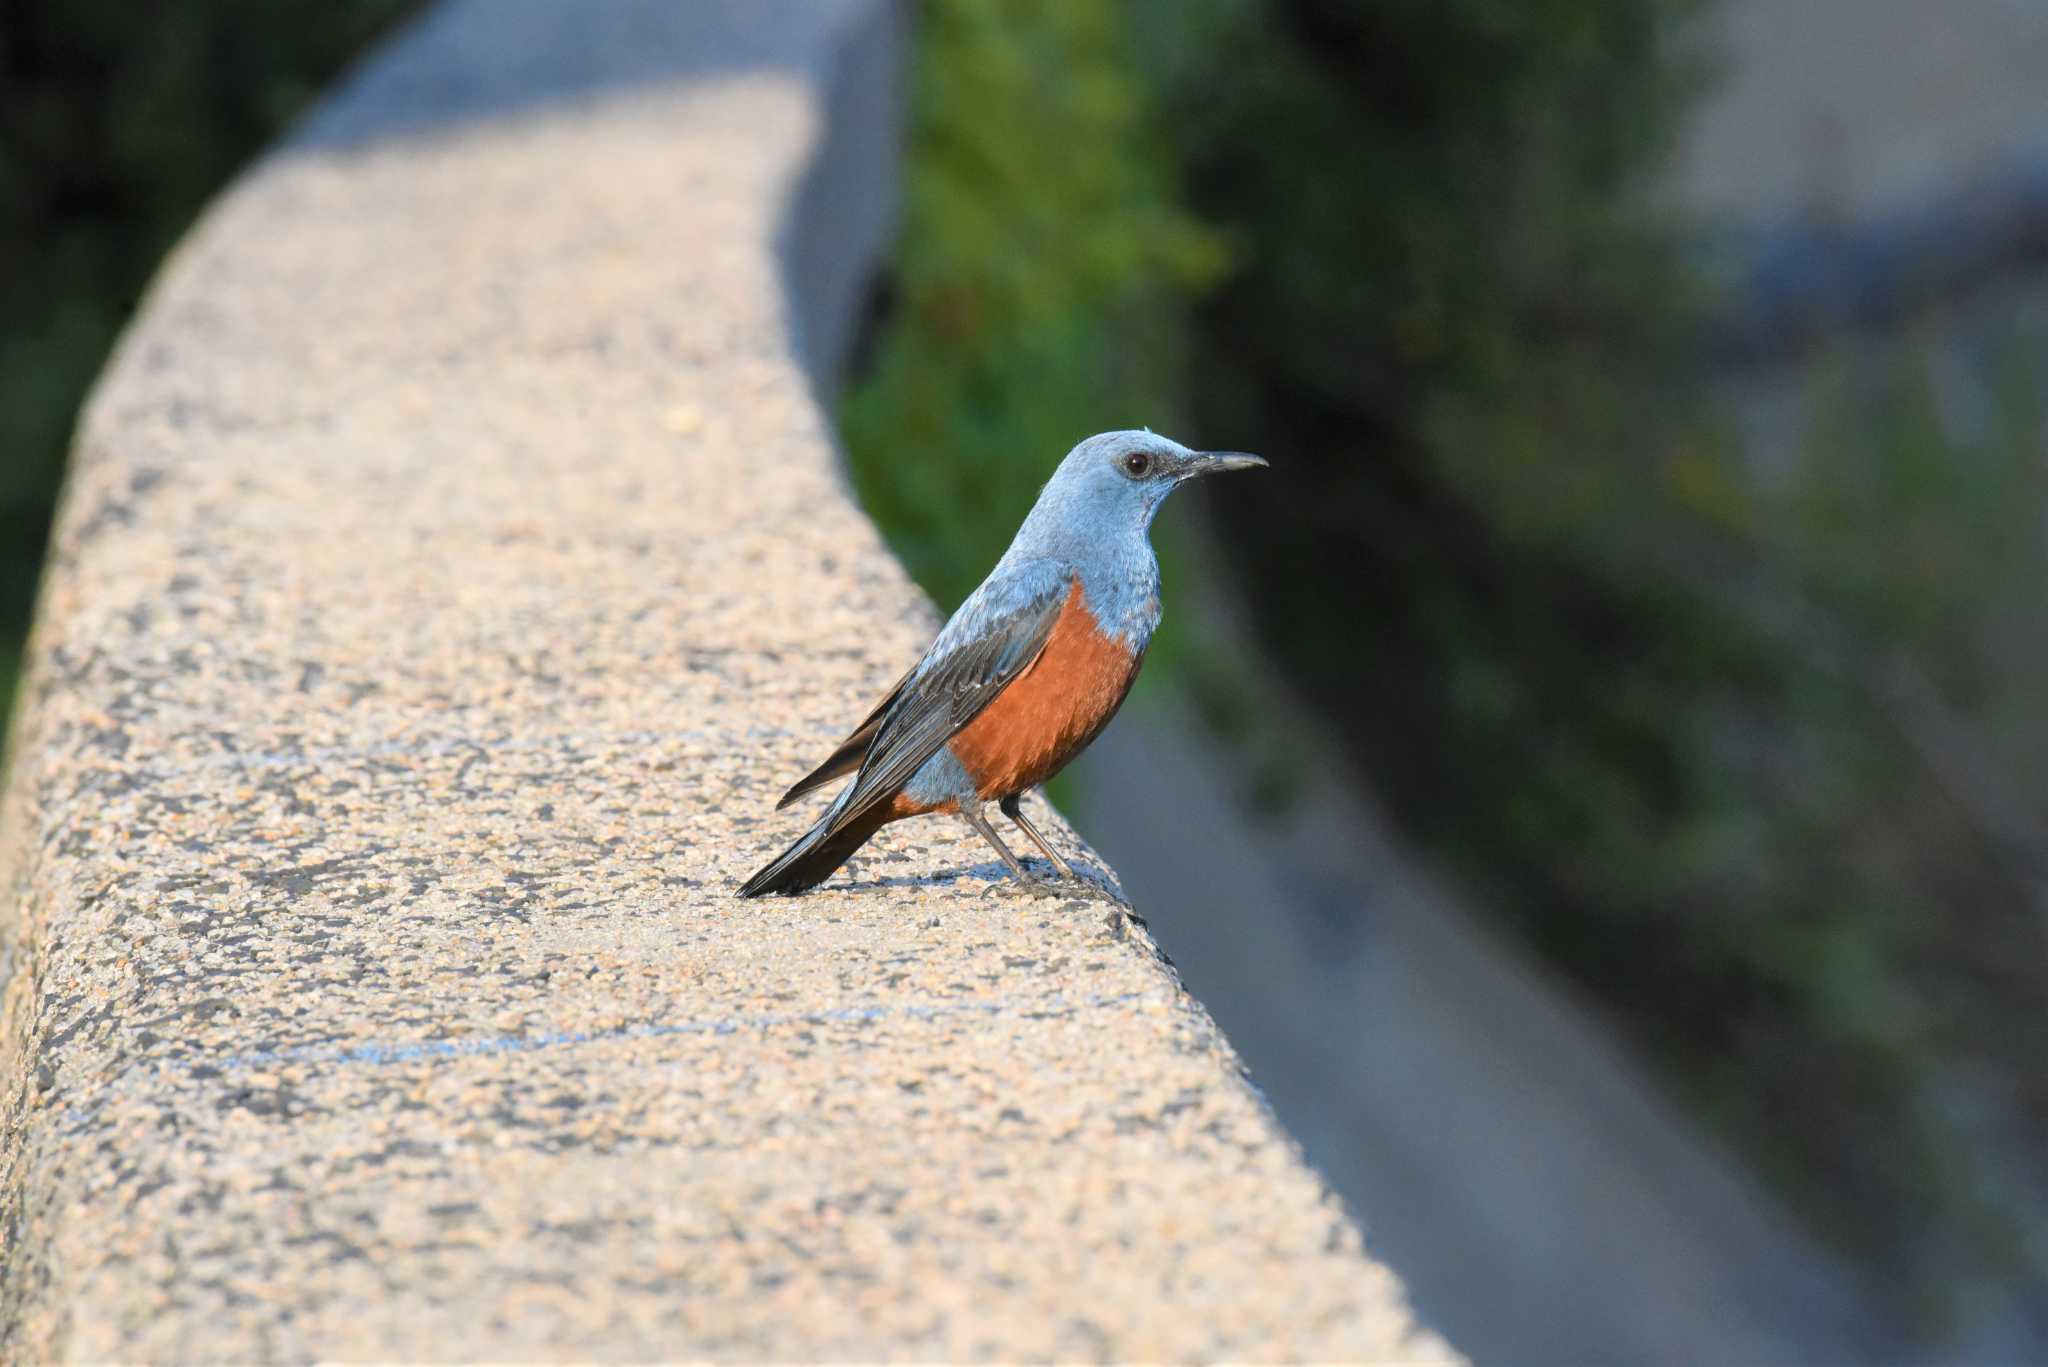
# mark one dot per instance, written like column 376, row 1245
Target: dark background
column 1735, row 724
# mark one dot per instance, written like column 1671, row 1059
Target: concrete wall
column 455, row 565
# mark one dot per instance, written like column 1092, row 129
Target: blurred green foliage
column 117, row 121
column 1742, row 739
column 1896, row 903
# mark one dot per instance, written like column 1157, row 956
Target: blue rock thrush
column 1027, row 672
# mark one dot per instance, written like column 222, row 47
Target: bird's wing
column 992, row 639
column 847, row 757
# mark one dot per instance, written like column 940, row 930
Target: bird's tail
column 816, row 857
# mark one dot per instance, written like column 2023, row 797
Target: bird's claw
column 1034, row 885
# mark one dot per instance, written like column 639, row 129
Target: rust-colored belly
column 1053, row 709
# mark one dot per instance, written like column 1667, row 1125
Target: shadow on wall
column 491, row 82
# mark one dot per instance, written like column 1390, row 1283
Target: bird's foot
column 1049, row 886
column 1031, row 885
column 1088, row 882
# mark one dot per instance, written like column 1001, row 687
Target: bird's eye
column 1137, row 464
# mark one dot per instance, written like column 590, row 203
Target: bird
column 1022, row 677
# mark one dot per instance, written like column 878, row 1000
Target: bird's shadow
column 1088, row 883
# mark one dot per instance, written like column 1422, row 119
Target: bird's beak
column 1220, row 462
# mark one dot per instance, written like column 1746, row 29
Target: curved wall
column 455, row 565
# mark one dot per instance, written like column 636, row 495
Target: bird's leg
column 973, row 817
column 1013, row 808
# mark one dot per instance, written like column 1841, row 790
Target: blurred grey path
column 1545, row 1203
column 454, row 567
column 1850, row 113
column 1862, row 157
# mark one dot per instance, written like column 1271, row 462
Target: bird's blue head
column 1111, row 485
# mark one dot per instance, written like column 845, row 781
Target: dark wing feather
column 978, row 655
column 847, row 757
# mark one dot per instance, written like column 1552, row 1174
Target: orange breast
column 1053, row 709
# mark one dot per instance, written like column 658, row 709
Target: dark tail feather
column 816, row 857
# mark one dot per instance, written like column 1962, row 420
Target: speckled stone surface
column 455, row 567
